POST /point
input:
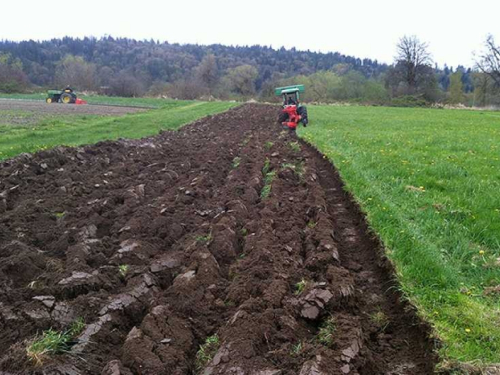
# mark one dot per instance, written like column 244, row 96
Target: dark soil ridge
column 206, row 254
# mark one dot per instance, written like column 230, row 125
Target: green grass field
column 429, row 181
column 99, row 99
column 86, row 129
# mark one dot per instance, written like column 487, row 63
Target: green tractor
column 66, row 96
column 292, row 111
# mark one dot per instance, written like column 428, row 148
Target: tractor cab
column 292, row 112
column 290, row 94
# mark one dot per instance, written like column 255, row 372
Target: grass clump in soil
column 428, row 181
column 52, row 342
column 294, row 146
column 236, row 162
column 204, row 239
column 326, row 332
column 207, row 351
column 300, row 287
column 268, row 179
column 297, row 349
column 77, row 327
column 380, row 319
column 123, row 270
column 267, row 167
column 36, row 285
column 311, row 224
column 298, row 168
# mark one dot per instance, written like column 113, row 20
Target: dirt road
column 290, row 284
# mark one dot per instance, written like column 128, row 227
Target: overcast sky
column 454, row 29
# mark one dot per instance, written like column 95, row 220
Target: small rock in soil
column 38, row 314
column 188, row 276
column 63, row 313
column 76, row 278
column 115, row 367
column 46, row 300
column 312, row 367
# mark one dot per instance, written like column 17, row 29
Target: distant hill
column 151, row 61
column 133, row 68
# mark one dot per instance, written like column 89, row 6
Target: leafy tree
column 456, row 88
column 326, row 86
column 267, row 91
column 241, row 79
column 341, row 69
column 482, row 84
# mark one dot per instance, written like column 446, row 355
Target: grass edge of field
column 441, row 331
column 94, row 99
column 447, row 362
column 88, row 129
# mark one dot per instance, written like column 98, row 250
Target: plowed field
column 229, row 229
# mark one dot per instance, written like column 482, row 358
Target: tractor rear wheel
column 67, row 98
column 282, row 117
column 302, row 111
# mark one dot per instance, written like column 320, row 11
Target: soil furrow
column 395, row 340
column 228, row 230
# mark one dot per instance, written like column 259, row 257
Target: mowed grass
column 100, row 99
column 79, row 130
column 429, row 182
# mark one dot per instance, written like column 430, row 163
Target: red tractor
column 292, row 111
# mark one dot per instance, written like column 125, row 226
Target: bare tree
column 208, row 72
column 125, row 84
column 186, row 89
column 76, row 72
column 12, row 77
column 489, row 61
column 412, row 61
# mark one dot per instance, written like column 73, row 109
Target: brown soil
column 41, row 109
column 206, row 254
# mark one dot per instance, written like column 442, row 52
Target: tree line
column 127, row 67
column 151, row 63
